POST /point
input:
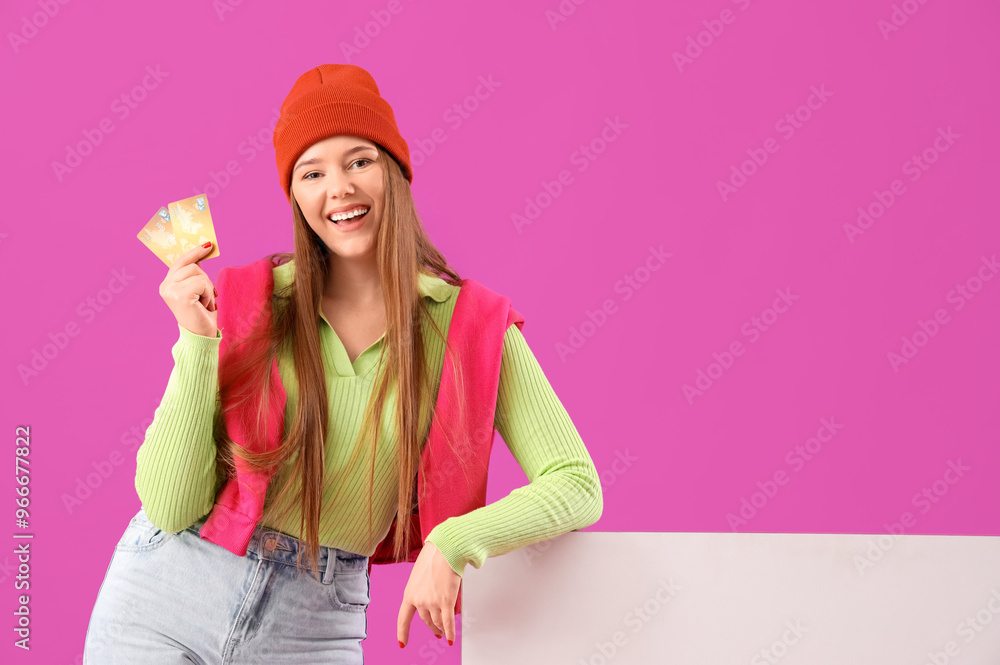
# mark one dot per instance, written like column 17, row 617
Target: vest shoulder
column 482, row 299
column 278, row 266
column 251, row 279
column 480, row 290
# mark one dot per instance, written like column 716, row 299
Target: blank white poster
column 624, row 598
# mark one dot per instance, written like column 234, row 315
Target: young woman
column 359, row 323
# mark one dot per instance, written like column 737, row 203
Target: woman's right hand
column 189, row 293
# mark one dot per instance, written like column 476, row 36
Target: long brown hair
column 403, row 249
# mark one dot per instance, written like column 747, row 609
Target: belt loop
column 331, row 565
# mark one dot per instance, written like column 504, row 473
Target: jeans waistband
column 274, row 545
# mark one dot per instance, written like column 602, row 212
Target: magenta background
column 655, row 185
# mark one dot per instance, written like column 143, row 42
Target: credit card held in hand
column 179, row 227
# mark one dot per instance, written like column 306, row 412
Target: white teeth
column 340, row 216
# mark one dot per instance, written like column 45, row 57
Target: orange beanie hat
column 333, row 100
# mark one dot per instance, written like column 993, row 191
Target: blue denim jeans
column 176, row 598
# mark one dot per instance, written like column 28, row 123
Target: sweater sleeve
column 564, row 493
column 175, row 465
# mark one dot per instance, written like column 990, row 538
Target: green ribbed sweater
column 176, row 476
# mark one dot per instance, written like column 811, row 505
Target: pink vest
column 477, row 328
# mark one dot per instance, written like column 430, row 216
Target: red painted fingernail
column 450, row 642
column 215, row 291
column 401, row 645
column 438, row 636
column 207, row 244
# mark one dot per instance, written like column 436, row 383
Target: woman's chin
column 353, row 248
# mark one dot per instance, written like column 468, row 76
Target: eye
column 360, row 159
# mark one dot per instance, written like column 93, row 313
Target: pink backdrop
column 755, row 245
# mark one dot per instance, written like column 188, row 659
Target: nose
column 338, row 185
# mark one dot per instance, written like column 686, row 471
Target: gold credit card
column 158, row 235
column 179, row 227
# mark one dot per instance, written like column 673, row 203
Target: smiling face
column 341, row 174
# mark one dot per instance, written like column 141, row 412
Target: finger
column 403, row 622
column 183, row 272
column 200, row 286
column 447, row 619
column 441, row 620
column 191, row 256
column 428, row 618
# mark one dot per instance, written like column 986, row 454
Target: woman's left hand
column 432, row 590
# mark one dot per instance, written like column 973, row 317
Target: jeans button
column 270, row 544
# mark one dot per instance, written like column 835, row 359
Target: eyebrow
column 316, row 160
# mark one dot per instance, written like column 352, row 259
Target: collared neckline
column 429, row 286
